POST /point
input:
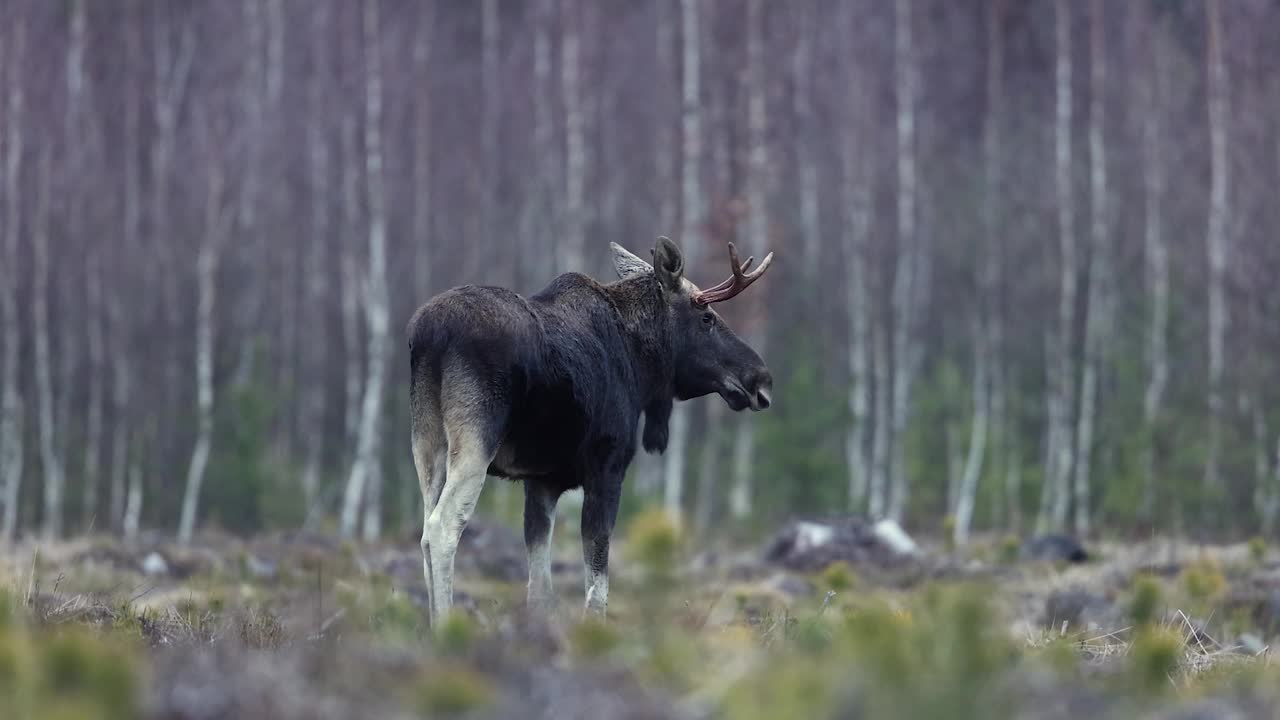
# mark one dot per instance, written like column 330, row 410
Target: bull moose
column 549, row 390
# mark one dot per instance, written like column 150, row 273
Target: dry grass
column 340, row 631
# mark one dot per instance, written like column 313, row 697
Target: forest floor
column 297, row 625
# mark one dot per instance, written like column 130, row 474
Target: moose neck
column 642, row 310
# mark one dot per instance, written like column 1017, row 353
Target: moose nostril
column 763, row 399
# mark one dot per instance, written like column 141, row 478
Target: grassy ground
column 302, row 626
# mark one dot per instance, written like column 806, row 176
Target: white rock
column 895, row 538
column 154, row 564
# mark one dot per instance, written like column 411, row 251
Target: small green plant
column 1204, row 583
column 1154, row 658
column 1257, row 549
column 949, row 531
column 1009, row 547
column 450, row 691
column 1145, row 600
column 593, row 638
column 456, row 635
column 839, row 577
column 654, row 539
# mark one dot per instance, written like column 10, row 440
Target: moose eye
column 708, row 319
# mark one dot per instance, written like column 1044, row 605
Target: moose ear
column 626, row 264
column 668, row 263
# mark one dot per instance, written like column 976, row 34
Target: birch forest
column 1025, row 277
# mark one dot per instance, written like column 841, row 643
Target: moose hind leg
column 468, row 463
column 428, row 460
column 539, row 521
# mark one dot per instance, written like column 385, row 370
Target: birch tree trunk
column 79, row 134
column 422, row 127
column 133, row 507
column 1263, row 493
column 540, row 213
column 879, row 501
column 1219, row 210
column 977, row 437
column 905, row 273
column 376, row 296
column 1096, row 322
column 207, row 261
column 575, row 141
column 691, row 227
column 250, row 231
column 171, row 72
column 490, row 126
column 349, row 281
column 12, row 452
column 121, row 329
column 1157, row 259
column 313, row 356
column 858, row 203
column 1271, row 511
column 1058, row 471
column 50, row 458
column 806, row 150
column 742, row 495
column 1002, row 435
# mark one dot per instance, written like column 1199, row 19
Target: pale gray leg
column 465, row 477
column 429, row 462
column 539, row 522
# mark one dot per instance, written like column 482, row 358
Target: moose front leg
column 599, row 511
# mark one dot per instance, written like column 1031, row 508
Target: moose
column 549, row 391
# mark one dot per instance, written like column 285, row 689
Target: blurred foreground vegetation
column 336, row 634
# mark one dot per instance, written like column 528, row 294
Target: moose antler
column 735, row 283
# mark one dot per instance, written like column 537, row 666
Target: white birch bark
column 250, row 234
column 1062, row 405
column 905, row 273
column 1263, row 493
column 490, row 47
column 575, row 142
column 807, row 148
column 133, row 506
column 421, row 228
column 977, row 437
column 1157, row 262
column 78, row 134
column 121, row 330
column 742, row 494
column 207, row 260
column 1271, row 510
column 349, row 281
column 12, row 451
column 1219, row 209
column 50, row 456
column 541, row 212
column 1096, row 322
column 879, row 495
column 690, row 230
column 376, row 295
column 171, row 73
column 857, row 198
column 1002, row 435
